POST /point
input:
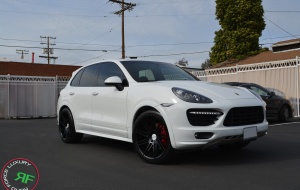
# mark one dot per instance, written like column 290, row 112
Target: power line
column 162, row 55
column 187, row 43
column 279, row 37
column 280, row 27
column 108, row 16
column 88, row 15
column 283, row 11
column 134, row 45
column 95, row 57
column 69, row 49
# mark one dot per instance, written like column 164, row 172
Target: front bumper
column 184, row 133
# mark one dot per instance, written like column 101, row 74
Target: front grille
column 244, row 116
column 203, row 117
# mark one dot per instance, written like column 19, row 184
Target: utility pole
column 48, row 50
column 23, row 52
column 125, row 6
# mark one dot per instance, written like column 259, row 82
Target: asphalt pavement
column 271, row 162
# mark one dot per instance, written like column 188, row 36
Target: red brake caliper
column 163, row 133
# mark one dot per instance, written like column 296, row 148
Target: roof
column 267, row 56
column 287, row 42
column 36, row 69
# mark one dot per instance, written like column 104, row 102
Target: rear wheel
column 283, row 113
column 151, row 138
column 66, row 127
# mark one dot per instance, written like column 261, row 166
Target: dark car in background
column 277, row 107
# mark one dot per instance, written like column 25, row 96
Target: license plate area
column 250, row 133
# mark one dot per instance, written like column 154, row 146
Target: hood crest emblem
column 236, row 94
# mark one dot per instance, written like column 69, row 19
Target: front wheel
column 151, row 138
column 283, row 114
column 66, row 127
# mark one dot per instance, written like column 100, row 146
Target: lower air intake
column 244, row 116
column 203, row 117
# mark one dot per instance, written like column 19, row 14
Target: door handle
column 95, row 93
column 71, row 93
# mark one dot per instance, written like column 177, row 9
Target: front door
column 109, row 105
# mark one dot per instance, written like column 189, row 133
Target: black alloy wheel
column 284, row 113
column 151, row 138
column 66, row 127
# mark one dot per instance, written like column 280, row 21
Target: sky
column 160, row 30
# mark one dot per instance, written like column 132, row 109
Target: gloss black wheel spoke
column 161, row 146
column 143, row 142
column 142, row 133
column 148, row 148
column 67, row 133
column 154, row 149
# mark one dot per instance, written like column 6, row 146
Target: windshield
column 147, row 71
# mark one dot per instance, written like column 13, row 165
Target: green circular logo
column 20, row 173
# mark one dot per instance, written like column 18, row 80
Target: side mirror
column 272, row 94
column 114, row 81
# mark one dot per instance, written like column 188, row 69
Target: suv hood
column 210, row 89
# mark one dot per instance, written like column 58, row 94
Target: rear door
column 109, row 104
column 80, row 96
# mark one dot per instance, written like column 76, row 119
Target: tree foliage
column 241, row 26
column 206, row 64
column 182, row 62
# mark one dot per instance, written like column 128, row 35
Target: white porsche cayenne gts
column 158, row 107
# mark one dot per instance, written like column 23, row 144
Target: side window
column 89, row 76
column 108, row 70
column 259, row 91
column 76, row 79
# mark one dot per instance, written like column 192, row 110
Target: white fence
column 27, row 96
column 282, row 77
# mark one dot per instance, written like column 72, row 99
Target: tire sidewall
column 73, row 136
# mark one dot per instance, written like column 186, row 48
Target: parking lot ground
column 271, row 162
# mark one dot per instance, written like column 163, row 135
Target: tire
column 66, row 127
column 234, row 146
column 283, row 114
column 151, row 139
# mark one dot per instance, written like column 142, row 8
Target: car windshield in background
column 147, row 71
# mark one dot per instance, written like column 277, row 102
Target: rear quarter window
column 76, row 79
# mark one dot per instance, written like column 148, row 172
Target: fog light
column 203, row 135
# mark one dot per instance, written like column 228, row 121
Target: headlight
column 189, row 96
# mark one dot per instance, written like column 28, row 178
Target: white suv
column 158, row 107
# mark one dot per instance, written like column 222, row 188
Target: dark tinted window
column 75, row 81
column 259, row 90
column 108, row 70
column 89, row 75
column 144, row 71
